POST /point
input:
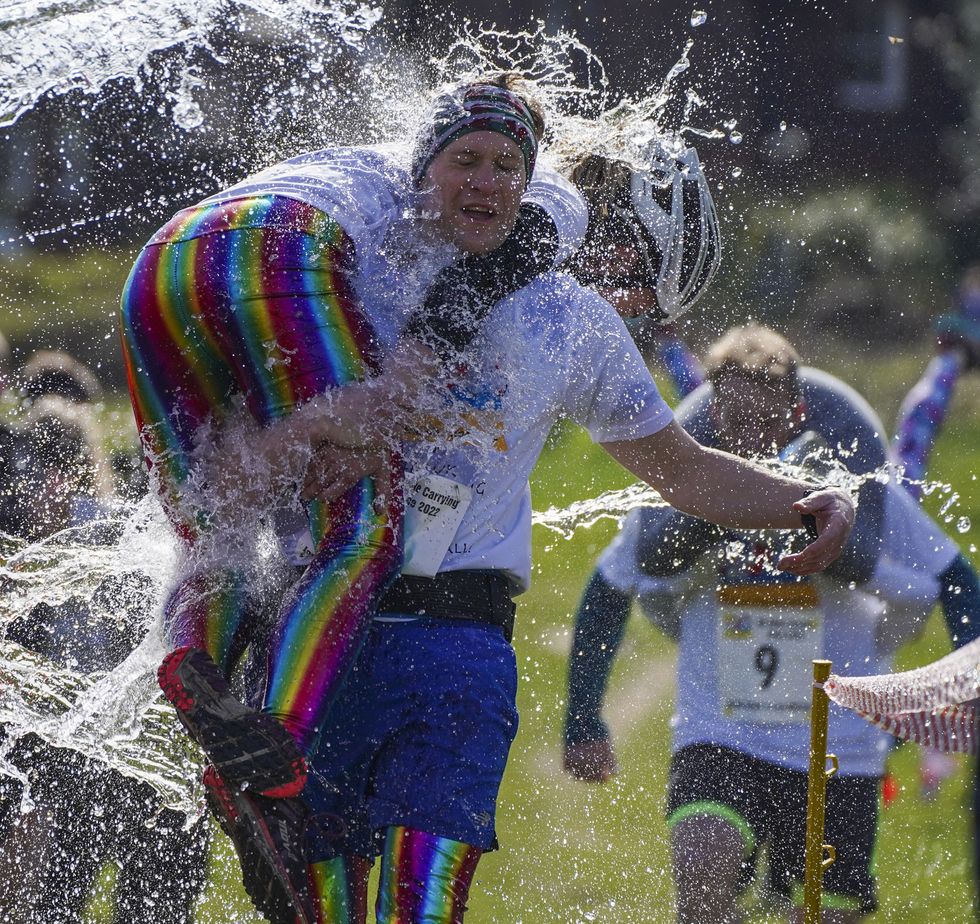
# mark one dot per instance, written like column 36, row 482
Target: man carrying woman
column 287, row 304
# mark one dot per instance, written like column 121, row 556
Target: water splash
column 115, row 717
column 609, row 505
column 583, row 112
column 118, row 717
column 59, row 45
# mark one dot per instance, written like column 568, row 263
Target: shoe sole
column 264, row 875
column 269, row 884
column 248, row 748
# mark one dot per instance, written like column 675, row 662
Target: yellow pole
column 816, row 800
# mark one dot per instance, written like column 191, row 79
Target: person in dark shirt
column 85, row 814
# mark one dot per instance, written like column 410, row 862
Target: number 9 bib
column 768, row 635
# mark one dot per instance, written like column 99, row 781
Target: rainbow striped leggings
column 425, row 879
column 249, row 304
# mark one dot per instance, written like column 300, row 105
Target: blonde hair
column 753, row 351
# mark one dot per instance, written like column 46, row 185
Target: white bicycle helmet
column 663, row 213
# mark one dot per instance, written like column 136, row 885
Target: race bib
column 768, row 637
column 434, row 508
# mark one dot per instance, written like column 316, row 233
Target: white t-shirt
column 849, row 631
column 552, row 350
column 914, row 552
column 898, row 599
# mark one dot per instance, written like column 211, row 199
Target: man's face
column 476, row 183
column 753, row 417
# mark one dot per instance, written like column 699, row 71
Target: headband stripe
column 481, row 108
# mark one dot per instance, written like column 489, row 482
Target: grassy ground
column 576, row 853
column 571, row 852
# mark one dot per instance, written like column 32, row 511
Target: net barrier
column 934, row 706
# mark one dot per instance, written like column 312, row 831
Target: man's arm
column 599, row 626
column 731, row 491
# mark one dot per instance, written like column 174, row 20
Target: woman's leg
column 338, row 889
column 425, row 879
column 180, row 384
column 325, row 618
column 250, row 302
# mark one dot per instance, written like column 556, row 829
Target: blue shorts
column 418, row 737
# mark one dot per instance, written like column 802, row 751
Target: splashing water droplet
column 736, row 172
column 610, row 505
column 782, row 126
column 187, row 114
column 84, row 45
column 735, row 137
column 699, row 18
column 963, row 525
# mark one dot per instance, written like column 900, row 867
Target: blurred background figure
column 55, row 372
column 84, row 814
column 923, row 411
column 68, row 471
column 12, row 458
column 5, row 364
column 920, row 421
column 747, row 634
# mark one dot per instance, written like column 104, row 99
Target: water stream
column 55, row 46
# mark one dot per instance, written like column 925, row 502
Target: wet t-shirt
column 850, row 622
column 553, row 350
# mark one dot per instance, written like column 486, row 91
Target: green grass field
column 572, row 852
column 578, row 853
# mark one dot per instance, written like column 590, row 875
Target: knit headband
column 482, row 108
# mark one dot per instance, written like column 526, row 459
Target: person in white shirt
column 293, row 295
column 747, row 635
column 412, row 755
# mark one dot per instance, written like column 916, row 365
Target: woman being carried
column 286, row 304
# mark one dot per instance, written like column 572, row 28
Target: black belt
column 480, row 596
